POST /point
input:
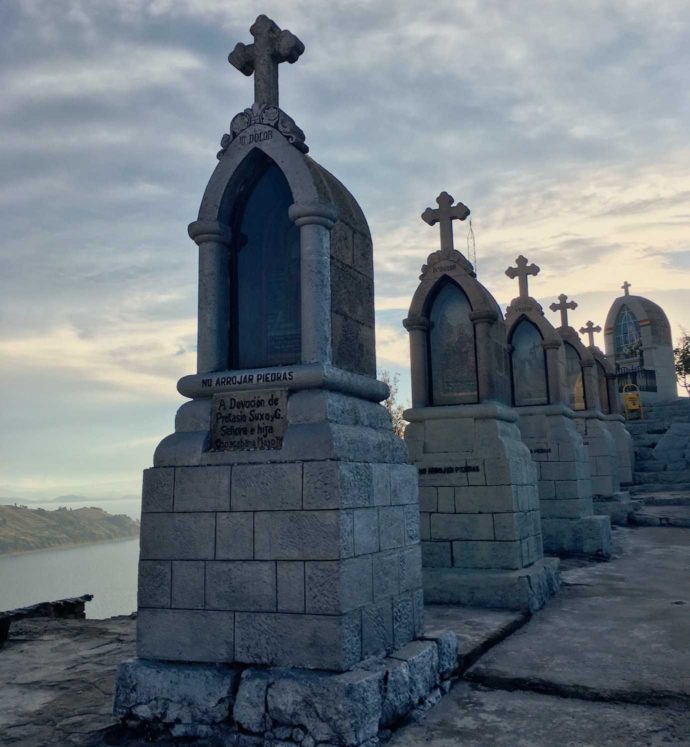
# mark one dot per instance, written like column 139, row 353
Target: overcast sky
column 562, row 125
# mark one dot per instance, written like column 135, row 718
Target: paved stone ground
column 607, row 662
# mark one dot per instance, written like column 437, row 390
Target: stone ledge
column 245, row 706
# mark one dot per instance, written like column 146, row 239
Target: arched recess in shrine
column 575, row 383
column 264, row 271
column 604, row 402
column 528, row 366
column 451, row 346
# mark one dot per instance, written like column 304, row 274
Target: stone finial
column 589, row 329
column 445, row 215
column 626, row 287
column 272, row 45
column 522, row 272
column 563, row 307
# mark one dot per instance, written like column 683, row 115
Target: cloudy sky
column 563, row 125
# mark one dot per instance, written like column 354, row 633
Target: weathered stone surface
column 185, row 635
column 188, row 584
column 249, row 710
column 343, row 709
column 235, row 535
column 168, row 536
column 202, row 489
column 154, row 583
column 157, row 489
column 192, row 695
column 267, row 487
column 241, row 585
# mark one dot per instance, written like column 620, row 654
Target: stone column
column 418, row 328
column 213, row 239
column 552, row 372
column 614, row 398
column 315, row 222
column 482, row 321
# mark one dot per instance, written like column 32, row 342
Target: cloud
column 562, row 125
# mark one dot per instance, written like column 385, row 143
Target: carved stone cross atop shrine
column 272, row 45
column 563, row 307
column 522, row 272
column 445, row 215
column 626, row 287
column 589, row 329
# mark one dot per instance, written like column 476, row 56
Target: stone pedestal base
column 588, row 536
column 565, row 488
column 250, row 707
column 618, row 507
column 479, row 508
column 526, row 589
column 624, row 447
column 603, row 455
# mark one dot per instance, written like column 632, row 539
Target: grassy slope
column 23, row 529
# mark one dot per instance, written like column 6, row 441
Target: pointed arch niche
column 575, row 383
column 602, row 383
column 451, row 346
column 264, row 268
column 528, row 365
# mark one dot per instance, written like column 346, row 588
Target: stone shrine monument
column 479, row 503
column 547, row 425
column 280, row 524
column 609, row 402
column 582, row 390
column 638, row 340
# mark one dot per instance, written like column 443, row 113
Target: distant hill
column 23, row 529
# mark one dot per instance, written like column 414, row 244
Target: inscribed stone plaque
column 249, row 421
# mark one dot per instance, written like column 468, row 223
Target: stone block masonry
column 480, row 523
column 248, row 706
column 309, row 564
column 568, row 524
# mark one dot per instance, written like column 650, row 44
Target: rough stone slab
column 188, row 584
column 153, row 589
column 185, row 635
column 309, row 641
column 589, row 536
column 190, row 695
column 343, row 709
column 266, row 487
column 202, row 489
column 575, row 645
column 168, row 536
column 473, row 716
column 526, row 589
column 157, row 489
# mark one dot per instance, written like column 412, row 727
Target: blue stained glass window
column 265, row 276
column 626, row 334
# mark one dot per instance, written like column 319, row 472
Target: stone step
column 668, row 477
column 658, row 488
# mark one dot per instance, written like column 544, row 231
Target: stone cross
column 563, row 307
column 522, row 272
column 625, row 287
column 589, row 329
column 445, row 215
column 272, row 45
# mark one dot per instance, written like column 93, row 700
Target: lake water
column 108, row 570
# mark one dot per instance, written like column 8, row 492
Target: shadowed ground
column 607, row 662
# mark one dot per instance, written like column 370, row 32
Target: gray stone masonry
column 609, row 500
column 568, row 524
column 624, row 448
column 313, row 564
column 480, row 522
column 662, row 446
column 249, row 706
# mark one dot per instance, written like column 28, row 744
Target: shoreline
column 68, row 546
